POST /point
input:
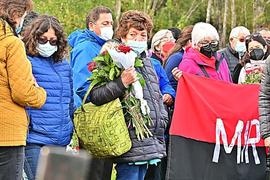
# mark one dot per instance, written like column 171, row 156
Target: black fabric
column 100, row 169
column 192, row 160
column 152, row 147
column 231, row 56
column 109, row 92
column 236, row 73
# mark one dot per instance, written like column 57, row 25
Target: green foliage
column 171, row 13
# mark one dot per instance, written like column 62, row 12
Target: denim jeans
column 11, row 162
column 130, row 172
column 32, row 152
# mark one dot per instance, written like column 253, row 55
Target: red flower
column 92, row 66
column 104, row 53
column 124, row 49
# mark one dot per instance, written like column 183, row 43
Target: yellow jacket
column 17, row 89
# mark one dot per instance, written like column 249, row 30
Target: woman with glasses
column 46, row 47
column 253, row 61
column 202, row 58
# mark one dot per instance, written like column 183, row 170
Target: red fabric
column 209, row 61
column 168, row 46
column 200, row 101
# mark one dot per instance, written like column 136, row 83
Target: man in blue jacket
column 86, row 45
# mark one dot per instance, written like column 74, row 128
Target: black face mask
column 256, row 54
column 268, row 41
column 209, row 50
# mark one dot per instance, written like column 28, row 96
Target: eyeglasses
column 212, row 44
column 53, row 42
column 241, row 39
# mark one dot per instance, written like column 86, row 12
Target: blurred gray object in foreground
column 57, row 164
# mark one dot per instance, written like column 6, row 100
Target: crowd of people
column 41, row 89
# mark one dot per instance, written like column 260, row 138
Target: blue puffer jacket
column 85, row 45
column 52, row 124
column 164, row 84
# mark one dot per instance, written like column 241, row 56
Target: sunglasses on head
column 53, row 42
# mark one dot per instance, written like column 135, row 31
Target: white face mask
column 46, row 50
column 240, row 48
column 106, row 33
column 20, row 26
column 137, row 46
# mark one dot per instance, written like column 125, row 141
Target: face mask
column 19, row 28
column 46, row 50
column 137, row 46
column 106, row 33
column 240, row 48
column 209, row 50
column 256, row 54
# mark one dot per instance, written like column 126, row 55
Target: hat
column 158, row 36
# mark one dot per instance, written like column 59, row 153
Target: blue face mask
column 137, row 46
column 240, row 48
column 19, row 28
column 46, row 50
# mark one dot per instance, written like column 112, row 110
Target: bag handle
column 93, row 83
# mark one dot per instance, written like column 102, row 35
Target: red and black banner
column 215, row 132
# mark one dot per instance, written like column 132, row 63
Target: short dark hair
column 40, row 26
column 93, row 15
column 176, row 32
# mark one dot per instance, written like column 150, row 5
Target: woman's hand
column 167, row 99
column 176, row 73
column 129, row 76
column 267, row 142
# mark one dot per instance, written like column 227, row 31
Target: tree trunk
column 117, row 12
column 223, row 38
column 233, row 24
column 258, row 13
column 208, row 12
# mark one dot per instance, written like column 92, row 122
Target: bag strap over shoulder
column 93, row 83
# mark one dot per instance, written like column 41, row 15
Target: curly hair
column 133, row 19
column 9, row 9
column 40, row 26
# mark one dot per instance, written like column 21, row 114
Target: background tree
column 166, row 13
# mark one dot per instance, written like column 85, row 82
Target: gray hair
column 203, row 30
column 239, row 29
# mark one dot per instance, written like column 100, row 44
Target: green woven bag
column 102, row 130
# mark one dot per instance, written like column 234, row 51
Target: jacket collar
column 5, row 29
column 100, row 41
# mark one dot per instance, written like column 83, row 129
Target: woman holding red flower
column 134, row 30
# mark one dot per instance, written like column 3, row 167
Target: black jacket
column 149, row 148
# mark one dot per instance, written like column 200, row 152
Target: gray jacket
column 264, row 101
column 149, row 148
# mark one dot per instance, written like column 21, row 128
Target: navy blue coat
column 52, row 124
